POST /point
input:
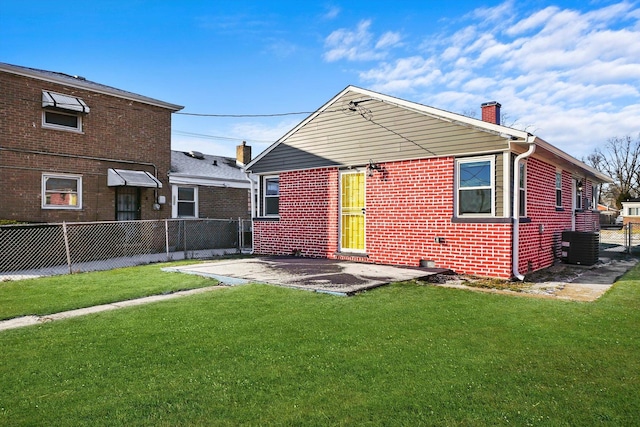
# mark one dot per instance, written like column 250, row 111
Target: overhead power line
column 244, row 115
column 225, row 138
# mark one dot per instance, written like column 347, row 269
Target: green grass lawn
column 54, row 294
column 403, row 354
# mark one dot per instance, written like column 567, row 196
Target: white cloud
column 359, row 44
column 332, row 12
column 532, row 22
column 388, row 39
column 571, row 74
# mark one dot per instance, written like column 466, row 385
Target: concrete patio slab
column 314, row 274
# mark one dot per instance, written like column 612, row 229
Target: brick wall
column 408, row 206
column 222, row 203
column 115, row 128
column 308, row 216
column 540, row 238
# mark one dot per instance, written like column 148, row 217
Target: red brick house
column 373, row 178
column 75, row 150
column 208, row 186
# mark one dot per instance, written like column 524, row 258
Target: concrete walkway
column 20, row 322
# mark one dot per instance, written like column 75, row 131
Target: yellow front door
column 352, row 211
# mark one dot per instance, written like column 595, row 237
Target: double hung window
column 187, row 202
column 475, row 186
column 558, row 189
column 522, row 200
column 271, row 196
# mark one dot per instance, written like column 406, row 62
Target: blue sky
column 567, row 71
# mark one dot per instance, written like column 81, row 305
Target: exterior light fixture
column 371, row 167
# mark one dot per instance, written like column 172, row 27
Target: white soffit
column 129, row 178
column 65, row 102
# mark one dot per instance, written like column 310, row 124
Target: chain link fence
column 625, row 239
column 35, row 250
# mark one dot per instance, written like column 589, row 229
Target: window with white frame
column 594, row 197
column 634, row 212
column 271, row 196
column 62, row 112
column 63, row 121
column 578, row 202
column 522, row 186
column 475, row 186
column 558, row 189
column 61, row 191
column 186, row 202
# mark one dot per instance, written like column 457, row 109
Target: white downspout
column 516, row 207
column 252, row 203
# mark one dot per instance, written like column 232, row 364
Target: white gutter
column 516, row 206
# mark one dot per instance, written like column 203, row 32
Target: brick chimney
column 243, row 154
column 491, row 112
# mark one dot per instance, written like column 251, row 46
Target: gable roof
column 393, row 129
column 207, row 170
column 82, row 83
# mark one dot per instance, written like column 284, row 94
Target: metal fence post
column 166, row 237
column 184, row 237
column 66, row 245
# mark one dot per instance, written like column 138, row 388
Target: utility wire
column 244, row 115
column 226, row 138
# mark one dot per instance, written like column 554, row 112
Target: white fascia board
column 570, row 159
column 442, row 114
column 208, row 182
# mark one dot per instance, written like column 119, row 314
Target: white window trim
column 523, row 194
column 556, row 188
column 43, row 194
column 492, row 187
column 77, row 129
column 264, row 196
column 578, row 195
column 175, row 201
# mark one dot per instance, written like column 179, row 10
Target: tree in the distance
column 620, row 159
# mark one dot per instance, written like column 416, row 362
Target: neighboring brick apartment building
column 373, row 178
column 76, row 150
